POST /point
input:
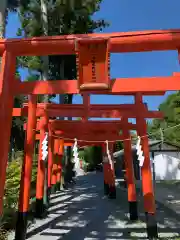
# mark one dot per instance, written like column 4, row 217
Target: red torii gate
column 92, row 78
column 60, row 110
column 89, row 131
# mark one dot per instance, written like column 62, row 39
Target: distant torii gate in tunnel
column 90, row 131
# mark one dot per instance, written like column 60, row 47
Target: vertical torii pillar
column 109, row 175
column 130, row 179
column 112, row 184
column 60, row 154
column 26, row 172
column 147, row 183
column 59, row 171
column 50, row 159
column 41, row 181
column 55, row 167
column 7, row 74
column 54, row 176
column 105, row 171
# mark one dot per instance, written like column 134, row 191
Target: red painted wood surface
column 147, row 183
column 116, row 42
column 129, row 166
column 119, row 42
column 93, row 64
column 50, row 154
column 119, row 86
column 41, row 164
column 26, row 173
column 7, row 73
column 94, row 110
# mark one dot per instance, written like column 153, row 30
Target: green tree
column 118, row 146
column 92, row 156
column 63, row 17
column 17, row 133
column 5, row 7
column 171, row 109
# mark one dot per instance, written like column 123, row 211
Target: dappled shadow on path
column 84, row 213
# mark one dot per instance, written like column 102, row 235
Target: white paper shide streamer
column 109, row 155
column 140, row 152
column 75, row 154
column 45, row 147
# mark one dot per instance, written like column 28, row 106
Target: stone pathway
column 169, row 196
column 84, row 213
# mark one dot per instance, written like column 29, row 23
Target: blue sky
column 131, row 15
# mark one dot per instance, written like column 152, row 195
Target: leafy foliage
column 118, row 146
column 63, row 18
column 12, row 187
column 34, row 169
column 13, row 181
column 92, row 156
column 3, row 233
column 17, row 132
column 11, row 195
column 171, row 109
column 12, row 5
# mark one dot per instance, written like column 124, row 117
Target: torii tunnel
column 93, row 68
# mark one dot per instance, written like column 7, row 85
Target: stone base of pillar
column 58, row 186
column 53, row 188
column 106, row 189
column 21, row 226
column 48, row 195
column 133, row 211
column 151, row 226
column 40, row 209
column 112, row 192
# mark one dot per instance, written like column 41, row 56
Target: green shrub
column 91, row 156
column 11, row 194
column 12, row 187
column 13, row 176
column 34, row 169
column 3, row 233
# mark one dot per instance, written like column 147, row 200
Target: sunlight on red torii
column 93, row 56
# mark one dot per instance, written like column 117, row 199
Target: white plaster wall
column 166, row 165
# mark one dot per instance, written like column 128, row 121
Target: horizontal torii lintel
column 120, row 86
column 79, row 110
column 94, row 125
column 54, row 106
column 105, row 112
column 137, row 41
column 145, row 84
column 65, row 125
